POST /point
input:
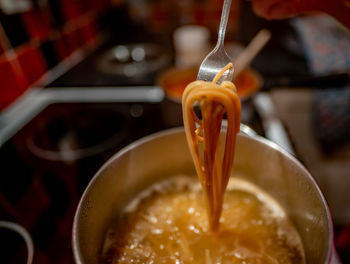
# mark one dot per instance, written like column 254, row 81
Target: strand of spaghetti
column 210, row 150
column 223, row 70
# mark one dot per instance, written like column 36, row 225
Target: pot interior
column 166, row 154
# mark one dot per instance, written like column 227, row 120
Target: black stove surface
column 48, row 163
column 87, row 74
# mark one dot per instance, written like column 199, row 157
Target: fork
column 217, row 58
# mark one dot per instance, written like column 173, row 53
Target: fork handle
column 223, row 22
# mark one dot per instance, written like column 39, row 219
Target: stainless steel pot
column 163, row 154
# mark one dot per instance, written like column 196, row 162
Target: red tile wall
column 35, row 41
column 12, row 80
column 37, row 23
column 32, row 63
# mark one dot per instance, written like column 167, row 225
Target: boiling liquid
column 168, row 223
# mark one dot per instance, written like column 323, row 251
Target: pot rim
column 75, row 233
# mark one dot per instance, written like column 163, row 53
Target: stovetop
column 67, row 130
column 48, row 163
column 61, row 136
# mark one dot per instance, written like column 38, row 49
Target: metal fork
column 217, row 58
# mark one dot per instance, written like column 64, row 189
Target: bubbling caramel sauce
column 168, row 223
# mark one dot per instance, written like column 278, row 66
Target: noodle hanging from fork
column 212, row 167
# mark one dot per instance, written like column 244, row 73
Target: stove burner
column 73, row 134
column 133, row 60
column 21, row 232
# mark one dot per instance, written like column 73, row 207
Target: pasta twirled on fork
column 203, row 136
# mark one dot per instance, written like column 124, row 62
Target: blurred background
column 80, row 79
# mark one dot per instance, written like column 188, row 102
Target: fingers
column 275, row 9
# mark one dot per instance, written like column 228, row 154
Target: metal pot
column 163, row 154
